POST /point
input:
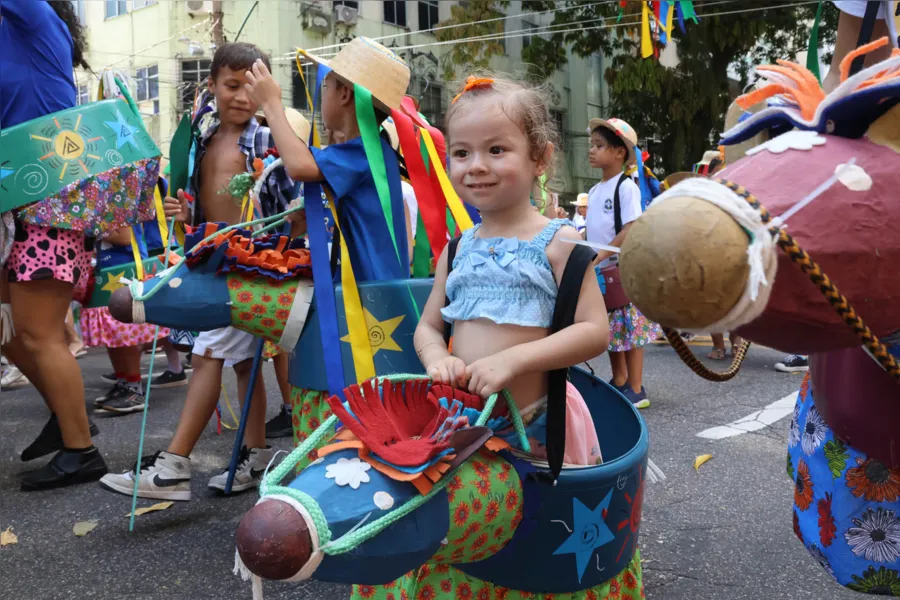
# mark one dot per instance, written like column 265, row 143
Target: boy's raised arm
column 265, row 91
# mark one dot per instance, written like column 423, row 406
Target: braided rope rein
column 806, row 264
column 688, row 357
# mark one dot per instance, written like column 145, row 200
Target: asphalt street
column 723, row 532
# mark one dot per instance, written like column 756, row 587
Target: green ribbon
column 368, row 129
column 687, row 7
column 812, row 51
column 422, row 252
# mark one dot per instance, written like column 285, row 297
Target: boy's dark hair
column 237, row 56
column 611, row 139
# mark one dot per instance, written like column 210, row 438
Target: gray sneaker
column 169, row 379
column 126, row 401
column 163, row 476
column 251, row 467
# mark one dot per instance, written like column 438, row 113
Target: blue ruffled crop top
column 505, row 280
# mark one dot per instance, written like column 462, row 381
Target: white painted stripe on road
column 755, row 421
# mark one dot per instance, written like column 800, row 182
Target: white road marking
column 754, row 421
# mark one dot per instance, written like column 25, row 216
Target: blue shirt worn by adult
column 346, row 171
column 35, row 62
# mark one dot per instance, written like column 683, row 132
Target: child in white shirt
column 612, row 147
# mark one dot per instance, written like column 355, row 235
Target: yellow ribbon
column 646, row 41
column 161, row 217
column 136, row 252
column 309, row 101
column 363, row 359
column 460, row 215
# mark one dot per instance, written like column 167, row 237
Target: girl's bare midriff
column 473, row 340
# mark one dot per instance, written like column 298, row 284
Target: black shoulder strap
column 617, row 207
column 563, row 316
column 451, row 254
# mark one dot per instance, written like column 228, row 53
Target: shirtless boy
column 230, row 139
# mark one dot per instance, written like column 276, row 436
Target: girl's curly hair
column 66, row 11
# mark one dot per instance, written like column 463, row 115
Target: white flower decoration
column 854, row 177
column 348, row 471
column 792, row 140
column 383, row 500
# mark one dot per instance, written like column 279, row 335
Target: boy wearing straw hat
column 230, row 139
column 374, row 248
column 376, row 237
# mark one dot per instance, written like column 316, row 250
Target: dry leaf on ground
column 8, row 537
column 700, row 460
column 155, row 507
column 82, row 528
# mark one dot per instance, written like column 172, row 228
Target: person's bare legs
column 634, row 359
column 619, row 368
column 199, row 406
column 847, row 36
column 736, row 341
column 72, row 339
column 281, row 362
column 40, row 351
column 718, row 351
column 255, row 432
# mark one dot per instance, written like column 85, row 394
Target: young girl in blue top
column 504, row 282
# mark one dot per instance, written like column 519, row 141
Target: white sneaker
column 164, row 476
column 249, row 473
column 13, row 378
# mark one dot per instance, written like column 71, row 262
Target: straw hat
column 367, row 63
column 675, row 178
column 709, row 156
column 732, row 117
column 581, row 200
column 622, row 129
column 298, row 122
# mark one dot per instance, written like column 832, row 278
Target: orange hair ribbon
column 473, row 83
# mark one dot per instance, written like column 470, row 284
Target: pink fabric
column 99, row 328
column 582, row 443
column 40, row 253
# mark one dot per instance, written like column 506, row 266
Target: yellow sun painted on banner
column 112, row 284
column 380, row 333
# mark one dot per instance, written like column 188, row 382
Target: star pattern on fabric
column 380, row 333
column 124, row 132
column 112, row 282
column 589, row 532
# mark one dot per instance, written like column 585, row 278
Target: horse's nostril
column 120, row 305
column 273, row 540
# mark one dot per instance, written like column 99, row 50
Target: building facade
column 166, row 47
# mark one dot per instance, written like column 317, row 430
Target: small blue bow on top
column 502, row 253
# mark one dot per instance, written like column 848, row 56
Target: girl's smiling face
column 490, row 159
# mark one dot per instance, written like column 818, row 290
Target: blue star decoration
column 124, row 132
column 4, row 173
column 588, row 533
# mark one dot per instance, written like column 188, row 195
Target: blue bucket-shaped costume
column 351, row 524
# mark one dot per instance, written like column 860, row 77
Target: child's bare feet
column 717, row 354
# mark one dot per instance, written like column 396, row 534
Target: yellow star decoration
column 380, row 333
column 113, row 282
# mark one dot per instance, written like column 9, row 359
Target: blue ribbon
column 646, row 195
column 680, row 14
column 663, row 18
column 323, row 281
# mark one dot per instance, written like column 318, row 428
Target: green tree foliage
column 468, row 22
column 683, row 107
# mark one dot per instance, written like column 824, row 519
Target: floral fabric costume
column 846, row 504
